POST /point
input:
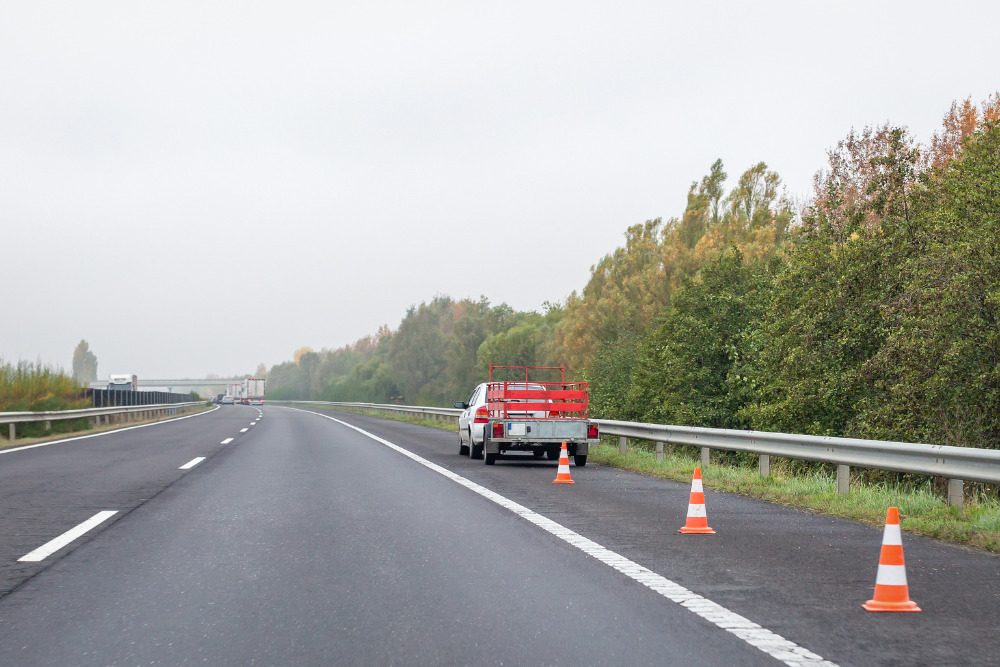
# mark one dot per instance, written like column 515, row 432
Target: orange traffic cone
column 697, row 519
column 891, row 591
column 562, row 475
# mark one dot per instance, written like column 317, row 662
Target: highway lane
column 47, row 490
column 307, row 542
column 797, row 573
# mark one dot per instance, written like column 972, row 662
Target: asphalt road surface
column 299, row 539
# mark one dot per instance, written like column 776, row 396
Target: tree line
column 871, row 310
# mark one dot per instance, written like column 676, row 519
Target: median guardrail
column 119, row 414
column 956, row 464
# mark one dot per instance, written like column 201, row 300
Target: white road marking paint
column 244, row 430
column 757, row 636
column 226, row 441
column 192, row 463
column 97, row 435
column 55, row 545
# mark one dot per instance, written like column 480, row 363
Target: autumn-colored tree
column 843, row 188
column 960, row 122
column 626, row 290
column 751, row 201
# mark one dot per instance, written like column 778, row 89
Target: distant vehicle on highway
column 252, row 391
column 227, row 400
column 123, row 382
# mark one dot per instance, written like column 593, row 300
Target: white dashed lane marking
column 55, row 545
column 192, row 463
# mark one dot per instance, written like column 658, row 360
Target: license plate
column 515, row 429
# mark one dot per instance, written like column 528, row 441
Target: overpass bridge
column 170, row 383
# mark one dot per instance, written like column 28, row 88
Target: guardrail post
column 48, row 425
column 843, row 479
column 13, row 432
column 764, row 465
column 956, row 492
column 622, row 444
column 705, row 451
column 659, row 451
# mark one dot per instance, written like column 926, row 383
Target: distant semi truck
column 234, row 390
column 123, row 382
column 253, row 391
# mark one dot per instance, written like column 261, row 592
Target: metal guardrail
column 424, row 411
column 125, row 413
column 956, row 464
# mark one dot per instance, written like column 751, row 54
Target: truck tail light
column 482, row 415
column 497, row 430
column 553, row 413
column 592, row 432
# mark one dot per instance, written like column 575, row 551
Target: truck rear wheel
column 580, row 460
column 538, row 453
column 553, row 452
column 475, row 451
column 490, row 459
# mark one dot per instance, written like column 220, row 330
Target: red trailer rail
column 537, row 399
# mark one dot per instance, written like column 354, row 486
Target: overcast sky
column 199, row 187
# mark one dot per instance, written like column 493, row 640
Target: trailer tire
column 463, row 449
column 475, row 451
column 553, row 452
column 580, row 460
column 489, row 459
column 538, row 453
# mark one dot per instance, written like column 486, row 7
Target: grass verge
column 922, row 510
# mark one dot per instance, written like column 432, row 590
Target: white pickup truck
column 526, row 415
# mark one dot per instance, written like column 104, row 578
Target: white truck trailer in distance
column 123, row 382
column 253, row 391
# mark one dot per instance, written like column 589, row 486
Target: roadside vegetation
column 869, row 310
column 34, row 387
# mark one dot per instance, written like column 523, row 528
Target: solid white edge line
column 757, row 636
column 58, row 543
column 97, row 435
column 226, row 441
column 192, row 463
